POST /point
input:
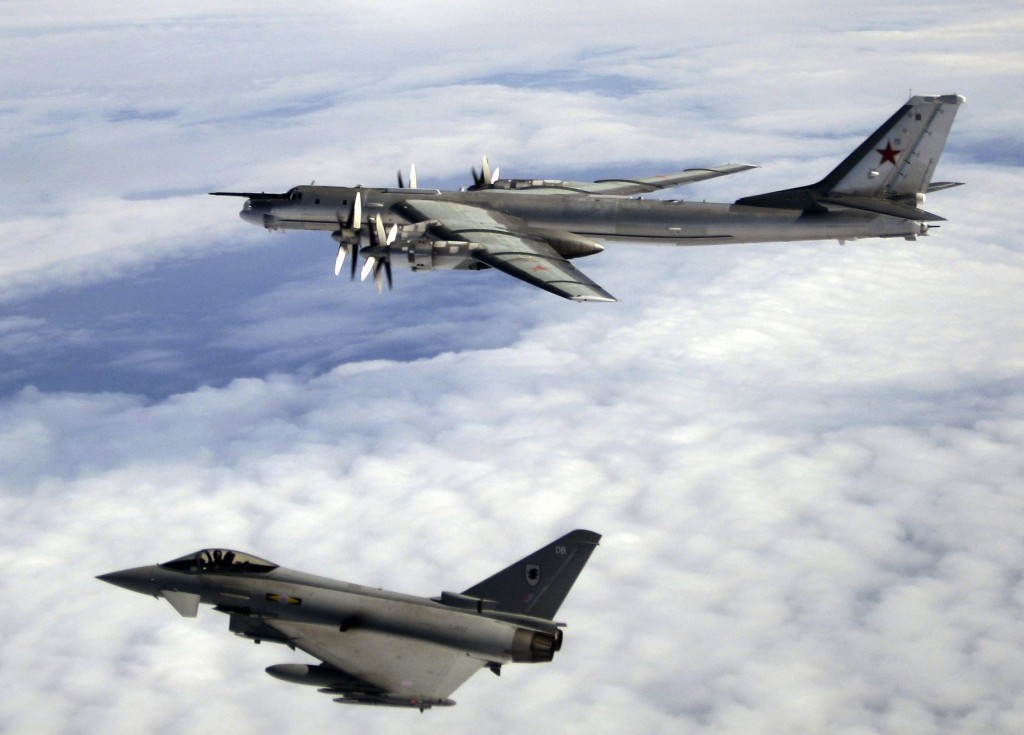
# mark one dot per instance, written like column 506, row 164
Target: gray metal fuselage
column 377, row 647
column 608, row 218
column 530, row 229
column 342, row 605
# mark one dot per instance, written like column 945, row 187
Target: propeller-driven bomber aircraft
column 377, row 647
column 531, row 228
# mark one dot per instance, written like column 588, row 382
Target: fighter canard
column 531, row 228
column 378, row 647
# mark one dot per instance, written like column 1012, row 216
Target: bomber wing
column 663, row 181
column 377, row 667
column 507, row 244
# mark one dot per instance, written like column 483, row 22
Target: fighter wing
column 507, row 244
column 664, row 181
column 376, row 667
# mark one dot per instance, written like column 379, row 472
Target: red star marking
column 539, row 268
column 887, row 153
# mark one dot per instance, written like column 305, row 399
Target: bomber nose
column 139, row 579
column 251, row 214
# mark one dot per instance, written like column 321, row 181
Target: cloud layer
column 805, row 459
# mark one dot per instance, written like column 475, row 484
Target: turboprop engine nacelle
column 424, row 254
column 416, row 250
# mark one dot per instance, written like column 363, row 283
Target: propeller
column 379, row 260
column 412, row 178
column 339, row 261
column 348, row 236
column 485, row 178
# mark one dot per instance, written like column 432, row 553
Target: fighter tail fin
column 890, row 172
column 537, row 584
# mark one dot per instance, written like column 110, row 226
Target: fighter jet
column 531, row 228
column 378, row 647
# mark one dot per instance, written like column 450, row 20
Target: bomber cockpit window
column 220, row 560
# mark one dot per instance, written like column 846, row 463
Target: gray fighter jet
column 531, row 228
column 377, row 647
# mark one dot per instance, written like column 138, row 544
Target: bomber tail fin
column 890, row 172
column 537, row 584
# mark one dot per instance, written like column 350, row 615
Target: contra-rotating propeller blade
column 490, row 177
column 486, row 177
column 371, row 260
column 379, row 262
column 357, row 211
column 412, row 178
column 348, row 237
column 339, row 261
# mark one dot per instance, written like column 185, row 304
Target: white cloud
column 777, row 550
column 806, row 459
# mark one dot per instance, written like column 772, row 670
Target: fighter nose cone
column 139, row 579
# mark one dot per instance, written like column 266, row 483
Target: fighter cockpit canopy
column 220, row 560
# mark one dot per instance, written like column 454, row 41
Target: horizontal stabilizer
column 940, row 185
column 882, row 206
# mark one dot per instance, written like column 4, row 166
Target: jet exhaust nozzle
column 531, row 646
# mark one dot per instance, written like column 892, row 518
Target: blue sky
column 805, row 459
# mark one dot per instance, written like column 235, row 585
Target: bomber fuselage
column 610, row 218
